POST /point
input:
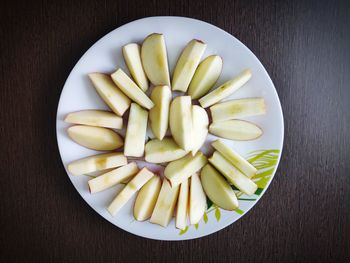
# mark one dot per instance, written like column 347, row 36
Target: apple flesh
column 179, row 170
column 198, row 200
column 165, row 205
column 180, row 120
column 110, row 93
column 159, row 114
column 129, row 87
column 98, row 118
column 187, row 64
column 154, row 59
column 225, row 89
column 112, row 178
column 235, row 130
column 242, row 182
column 200, row 122
column 235, row 109
column 163, row 151
column 146, row 199
column 235, row 159
column 136, row 131
column 97, row 163
column 206, row 75
column 132, row 57
column 218, row 189
column 96, row 138
column 182, row 205
column 129, row 190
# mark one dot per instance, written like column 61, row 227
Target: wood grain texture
column 303, row 217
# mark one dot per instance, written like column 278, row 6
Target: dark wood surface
column 303, row 217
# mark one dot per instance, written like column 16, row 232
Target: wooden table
column 303, row 217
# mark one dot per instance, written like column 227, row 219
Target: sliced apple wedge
column 146, row 199
column 206, row 75
column 234, row 109
column 98, row 118
column 129, row 87
column 182, row 205
column 187, row 64
column 236, row 130
column 179, row 170
column 165, row 205
column 218, row 189
column 97, row 163
column 242, row 182
column 198, row 200
column 110, row 93
column 225, row 89
column 132, row 57
column 180, row 120
column 200, row 122
column 163, row 151
column 96, row 138
column 154, row 59
column 234, row 158
column 129, row 190
column 136, row 131
column 112, row 178
column 159, row 114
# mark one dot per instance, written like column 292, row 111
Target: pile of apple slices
column 189, row 176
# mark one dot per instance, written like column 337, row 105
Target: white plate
column 106, row 55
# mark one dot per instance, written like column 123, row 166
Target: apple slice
column 132, row 57
column 206, row 75
column 218, row 189
column 225, row 89
column 234, row 158
column 98, row 118
column 159, row 114
column 154, row 59
column 179, row 170
column 187, row 64
column 112, row 178
column 165, row 205
column 200, row 124
column 95, row 138
column 146, row 199
column 129, row 190
column 234, row 109
column 125, row 83
column 136, row 131
column 242, row 182
column 236, row 130
column 97, row 163
column 182, row 205
column 163, row 151
column 110, row 93
column 180, row 120
column 198, row 200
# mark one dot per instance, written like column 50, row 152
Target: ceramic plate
column 106, row 55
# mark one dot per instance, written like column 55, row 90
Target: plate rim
column 223, row 225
